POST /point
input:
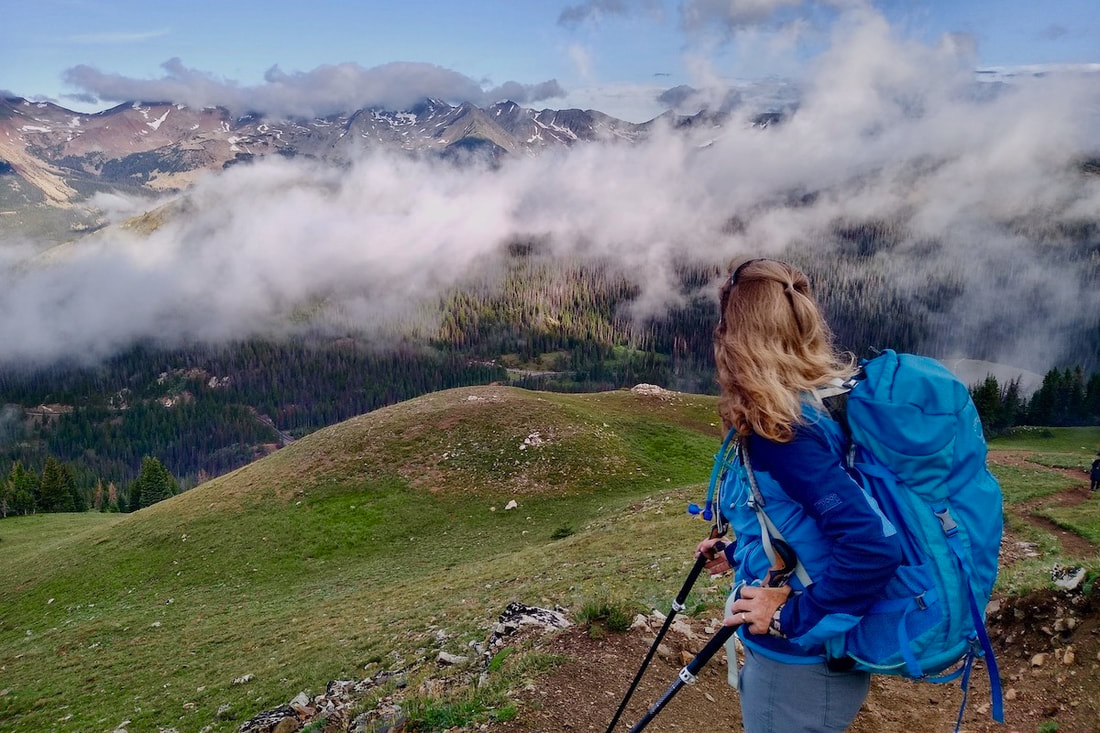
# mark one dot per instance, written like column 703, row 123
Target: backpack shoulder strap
column 768, row 530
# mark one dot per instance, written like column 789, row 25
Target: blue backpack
column 917, row 448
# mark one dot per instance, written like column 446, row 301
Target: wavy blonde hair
column 771, row 346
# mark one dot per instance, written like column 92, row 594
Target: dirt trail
column 1077, row 492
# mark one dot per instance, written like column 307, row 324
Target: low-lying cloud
column 319, row 92
column 981, row 182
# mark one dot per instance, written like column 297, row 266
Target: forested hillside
column 543, row 322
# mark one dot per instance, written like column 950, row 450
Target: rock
column 651, row 390
column 244, row 679
column 511, row 505
column 1010, row 693
column 517, row 615
column 448, row 659
column 1069, row 578
column 1039, row 660
column 225, row 712
column 270, row 720
column 683, row 628
column 640, row 622
column 992, row 607
column 1069, row 656
column 300, row 703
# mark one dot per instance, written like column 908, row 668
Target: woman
column 772, row 350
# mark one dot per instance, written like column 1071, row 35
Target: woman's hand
column 713, row 549
column 756, row 606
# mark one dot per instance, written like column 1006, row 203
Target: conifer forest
column 157, row 418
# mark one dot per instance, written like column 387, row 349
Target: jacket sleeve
column 865, row 552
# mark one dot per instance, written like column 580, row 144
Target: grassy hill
column 374, row 543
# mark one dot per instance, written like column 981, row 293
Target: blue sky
column 613, row 55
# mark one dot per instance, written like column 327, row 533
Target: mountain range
column 52, row 155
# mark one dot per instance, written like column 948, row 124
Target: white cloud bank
column 885, row 130
column 322, row 91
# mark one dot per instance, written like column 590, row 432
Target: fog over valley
column 986, row 190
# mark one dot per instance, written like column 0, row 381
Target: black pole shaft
column 680, row 598
column 690, row 671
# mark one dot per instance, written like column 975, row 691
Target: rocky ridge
column 52, row 155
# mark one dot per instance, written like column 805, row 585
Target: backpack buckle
column 946, row 522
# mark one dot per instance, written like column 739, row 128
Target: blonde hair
column 771, row 346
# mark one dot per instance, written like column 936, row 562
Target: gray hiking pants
column 798, row 698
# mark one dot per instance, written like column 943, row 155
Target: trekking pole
column 778, row 575
column 677, row 606
column 687, row 675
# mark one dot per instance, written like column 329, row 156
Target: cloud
column 582, row 61
column 574, row 15
column 1053, row 32
column 321, row 91
column 978, row 183
column 733, row 14
column 116, row 37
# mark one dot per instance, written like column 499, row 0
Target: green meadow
column 373, row 545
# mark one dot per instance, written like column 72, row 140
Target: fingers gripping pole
column 687, row 675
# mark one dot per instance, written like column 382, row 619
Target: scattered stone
column 1068, row 578
column 683, row 628
column 1039, row 660
column 1010, row 693
column 534, row 440
column 992, row 607
column 225, row 712
column 640, row 622
column 244, row 679
column 1069, row 656
column 517, row 615
column 300, row 703
column 270, row 720
column 448, row 659
column 511, row 505
column 651, row 390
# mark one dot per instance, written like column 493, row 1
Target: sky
column 983, row 185
column 613, row 55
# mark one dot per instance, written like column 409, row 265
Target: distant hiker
column 1094, row 474
column 772, row 348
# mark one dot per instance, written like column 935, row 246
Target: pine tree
column 155, row 482
column 23, row 486
column 987, row 398
column 77, row 501
column 6, row 494
column 56, row 488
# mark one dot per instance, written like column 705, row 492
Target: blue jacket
column 848, row 548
